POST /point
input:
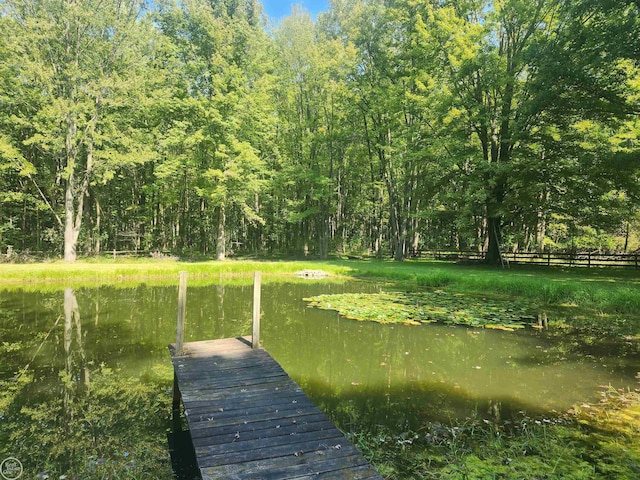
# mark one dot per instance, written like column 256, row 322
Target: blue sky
column 276, row 9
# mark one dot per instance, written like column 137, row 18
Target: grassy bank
column 88, row 273
column 607, row 290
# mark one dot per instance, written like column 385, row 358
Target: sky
column 276, row 9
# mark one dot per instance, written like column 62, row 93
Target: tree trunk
column 494, row 232
column 221, row 240
column 541, row 232
column 74, row 206
column 323, row 235
column 69, row 210
column 626, row 236
column 69, row 227
column 74, row 199
column 203, row 227
column 98, row 216
column 400, row 247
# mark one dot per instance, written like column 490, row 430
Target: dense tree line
column 382, row 126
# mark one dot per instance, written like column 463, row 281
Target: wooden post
column 182, row 311
column 257, row 282
column 175, row 410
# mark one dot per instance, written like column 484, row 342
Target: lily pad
column 417, row 308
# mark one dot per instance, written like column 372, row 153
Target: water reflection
column 76, row 357
column 403, row 375
column 64, row 414
column 75, row 378
column 98, row 371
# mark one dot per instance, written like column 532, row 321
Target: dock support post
column 182, row 310
column 175, row 410
column 257, row 283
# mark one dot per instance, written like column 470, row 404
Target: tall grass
column 608, row 290
column 135, row 271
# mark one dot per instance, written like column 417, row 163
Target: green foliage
column 216, row 136
column 81, row 67
column 416, row 308
column 381, row 127
column 526, row 448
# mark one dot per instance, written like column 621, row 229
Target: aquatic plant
column 416, row 308
column 557, row 447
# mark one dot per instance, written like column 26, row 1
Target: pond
column 86, row 374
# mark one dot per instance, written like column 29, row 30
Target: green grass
column 607, row 290
column 128, row 272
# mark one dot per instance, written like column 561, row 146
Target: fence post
column 182, row 311
column 548, row 258
column 257, row 284
column 589, row 260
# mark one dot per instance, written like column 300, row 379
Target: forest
column 381, row 127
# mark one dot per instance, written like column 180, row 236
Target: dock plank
column 249, row 420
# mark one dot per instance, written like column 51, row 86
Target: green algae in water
column 429, row 307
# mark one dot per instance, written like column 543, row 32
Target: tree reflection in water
column 89, row 421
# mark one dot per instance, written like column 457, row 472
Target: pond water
column 72, row 350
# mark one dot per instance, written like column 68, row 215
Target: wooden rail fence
column 571, row 259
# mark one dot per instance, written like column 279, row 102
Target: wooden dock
column 249, row 420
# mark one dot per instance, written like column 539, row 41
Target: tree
column 217, row 136
column 78, row 60
column 314, row 133
column 385, row 126
column 516, row 71
column 588, row 86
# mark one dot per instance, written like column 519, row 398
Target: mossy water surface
column 416, row 308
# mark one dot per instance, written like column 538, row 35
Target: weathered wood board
column 249, row 420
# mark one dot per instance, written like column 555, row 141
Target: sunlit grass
column 129, row 272
column 608, row 290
